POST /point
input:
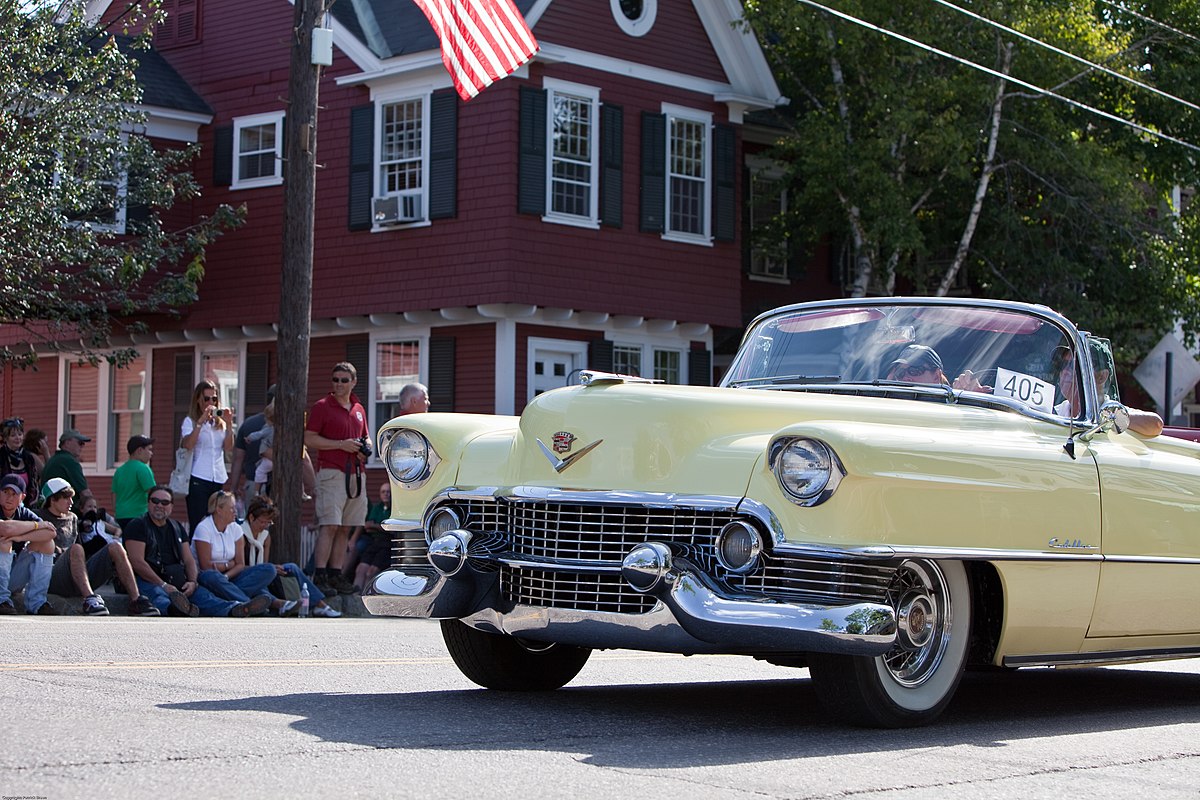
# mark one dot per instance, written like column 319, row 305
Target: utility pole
column 295, row 290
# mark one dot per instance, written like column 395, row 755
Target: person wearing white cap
column 65, row 463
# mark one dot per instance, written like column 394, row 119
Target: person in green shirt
column 65, row 463
column 133, row 480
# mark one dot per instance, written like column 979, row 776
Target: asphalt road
column 327, row 709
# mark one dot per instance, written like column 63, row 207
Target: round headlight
column 738, row 546
column 408, row 456
column 803, row 468
column 441, row 521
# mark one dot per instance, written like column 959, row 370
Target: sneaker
column 255, row 608
column 142, row 607
column 326, row 611
column 290, row 608
column 7, row 608
column 181, row 606
column 47, row 609
column 93, row 606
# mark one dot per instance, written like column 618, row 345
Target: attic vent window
column 635, row 17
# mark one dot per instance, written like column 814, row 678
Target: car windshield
column 1010, row 355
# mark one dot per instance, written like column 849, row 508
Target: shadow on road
column 699, row 724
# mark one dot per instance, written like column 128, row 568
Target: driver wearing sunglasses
column 917, row 364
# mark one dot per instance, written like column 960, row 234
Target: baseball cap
column 14, row 482
column 271, row 393
column 917, row 355
column 71, row 433
column 137, row 441
column 54, row 486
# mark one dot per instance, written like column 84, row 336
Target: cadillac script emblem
column 563, row 441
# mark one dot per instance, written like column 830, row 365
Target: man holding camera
column 337, row 431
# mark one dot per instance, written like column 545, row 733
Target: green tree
column 73, row 167
column 935, row 171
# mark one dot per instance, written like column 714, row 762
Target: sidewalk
column 351, row 605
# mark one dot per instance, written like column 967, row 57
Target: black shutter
column 362, row 162
column 182, row 396
column 600, row 355
column 443, row 155
column 358, row 353
column 747, row 233
column 135, row 212
column 258, row 377
column 223, row 156
column 441, row 373
column 724, row 168
column 700, row 368
column 654, row 172
column 531, row 156
column 612, row 140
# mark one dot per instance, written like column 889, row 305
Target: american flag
column 482, row 40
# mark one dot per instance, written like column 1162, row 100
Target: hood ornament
column 562, row 443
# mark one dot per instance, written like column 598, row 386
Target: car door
column 1150, row 513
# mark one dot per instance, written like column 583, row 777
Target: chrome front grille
column 561, row 545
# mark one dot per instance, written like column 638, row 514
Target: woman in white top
column 217, row 541
column 206, row 432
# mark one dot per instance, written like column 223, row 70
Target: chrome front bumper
column 691, row 616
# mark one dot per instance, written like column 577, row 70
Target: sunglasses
column 342, row 380
column 13, row 422
column 158, row 501
column 913, row 372
column 209, row 399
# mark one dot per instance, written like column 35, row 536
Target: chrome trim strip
column 1101, row 657
column 888, row 552
column 1154, row 560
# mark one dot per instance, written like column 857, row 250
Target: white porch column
column 506, row 363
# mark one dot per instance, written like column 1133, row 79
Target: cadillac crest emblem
column 563, row 441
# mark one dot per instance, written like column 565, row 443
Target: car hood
column 657, row 438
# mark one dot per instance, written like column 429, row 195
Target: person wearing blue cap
column 917, row 364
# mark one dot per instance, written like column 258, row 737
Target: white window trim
column 239, row 349
column 592, row 93
column 100, row 443
column 649, row 344
column 578, row 350
column 381, row 99
column 635, row 27
column 705, row 118
column 421, row 336
column 255, row 121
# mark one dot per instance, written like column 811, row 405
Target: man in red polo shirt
column 337, row 431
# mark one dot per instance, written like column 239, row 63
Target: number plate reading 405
column 1029, row 390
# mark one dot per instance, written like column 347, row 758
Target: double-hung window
column 397, row 363
column 573, row 152
column 688, row 179
column 768, row 200
column 107, row 404
column 403, row 159
column 92, row 184
column 258, row 150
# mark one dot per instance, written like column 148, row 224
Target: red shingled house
column 584, row 212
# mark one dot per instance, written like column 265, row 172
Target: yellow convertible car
column 882, row 491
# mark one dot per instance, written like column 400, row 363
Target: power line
column 994, row 73
column 1069, row 55
column 1144, row 18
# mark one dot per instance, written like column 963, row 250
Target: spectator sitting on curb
column 32, row 567
column 256, row 530
column 221, row 557
column 166, row 569
column 75, row 575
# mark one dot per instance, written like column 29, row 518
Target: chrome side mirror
column 1114, row 418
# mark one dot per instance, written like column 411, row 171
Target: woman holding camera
column 207, row 432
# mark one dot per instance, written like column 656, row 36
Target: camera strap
column 354, row 467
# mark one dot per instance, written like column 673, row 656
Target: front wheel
column 914, row 682
column 495, row 661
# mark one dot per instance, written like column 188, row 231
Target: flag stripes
column 482, row 40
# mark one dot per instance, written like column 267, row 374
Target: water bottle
column 303, row 600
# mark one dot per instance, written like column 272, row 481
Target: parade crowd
column 55, row 538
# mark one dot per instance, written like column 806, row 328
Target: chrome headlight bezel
column 409, row 457
column 807, row 470
column 440, row 520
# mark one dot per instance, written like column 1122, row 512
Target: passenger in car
column 1146, row 423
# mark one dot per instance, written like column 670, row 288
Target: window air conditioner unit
column 396, row 209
